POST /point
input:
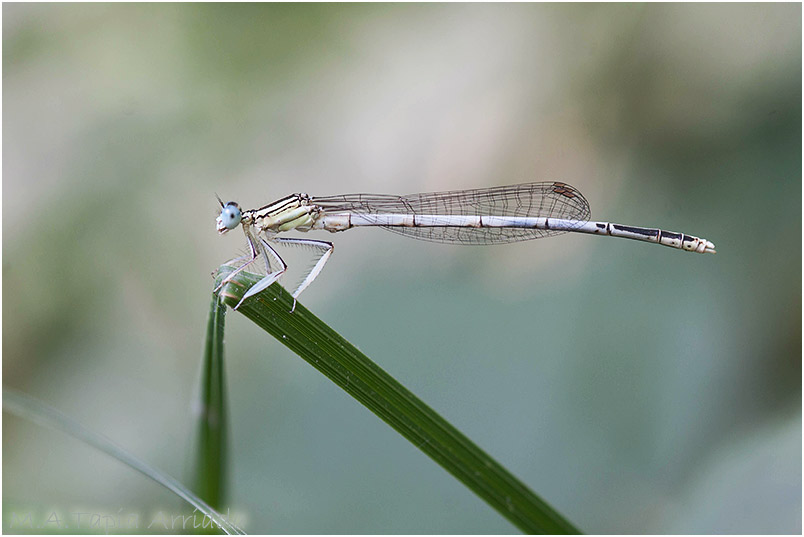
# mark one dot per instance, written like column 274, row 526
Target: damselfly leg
column 271, row 277
column 325, row 250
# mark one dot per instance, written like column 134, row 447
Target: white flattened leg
column 255, row 253
column 324, row 247
column 265, row 250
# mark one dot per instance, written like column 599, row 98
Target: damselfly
column 483, row 216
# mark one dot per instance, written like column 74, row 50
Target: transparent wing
column 549, row 199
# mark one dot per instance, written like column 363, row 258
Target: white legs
column 259, row 247
column 271, row 277
column 254, row 255
column 324, row 251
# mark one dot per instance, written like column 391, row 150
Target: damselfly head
column 229, row 218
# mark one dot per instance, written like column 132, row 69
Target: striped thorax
column 292, row 212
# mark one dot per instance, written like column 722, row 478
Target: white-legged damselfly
column 482, row 216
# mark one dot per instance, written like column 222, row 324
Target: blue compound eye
column 230, row 215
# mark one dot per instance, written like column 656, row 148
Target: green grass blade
column 25, row 406
column 211, row 463
column 324, row 349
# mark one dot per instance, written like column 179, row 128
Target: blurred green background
column 636, row 388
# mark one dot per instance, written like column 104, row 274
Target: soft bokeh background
column 636, row 388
